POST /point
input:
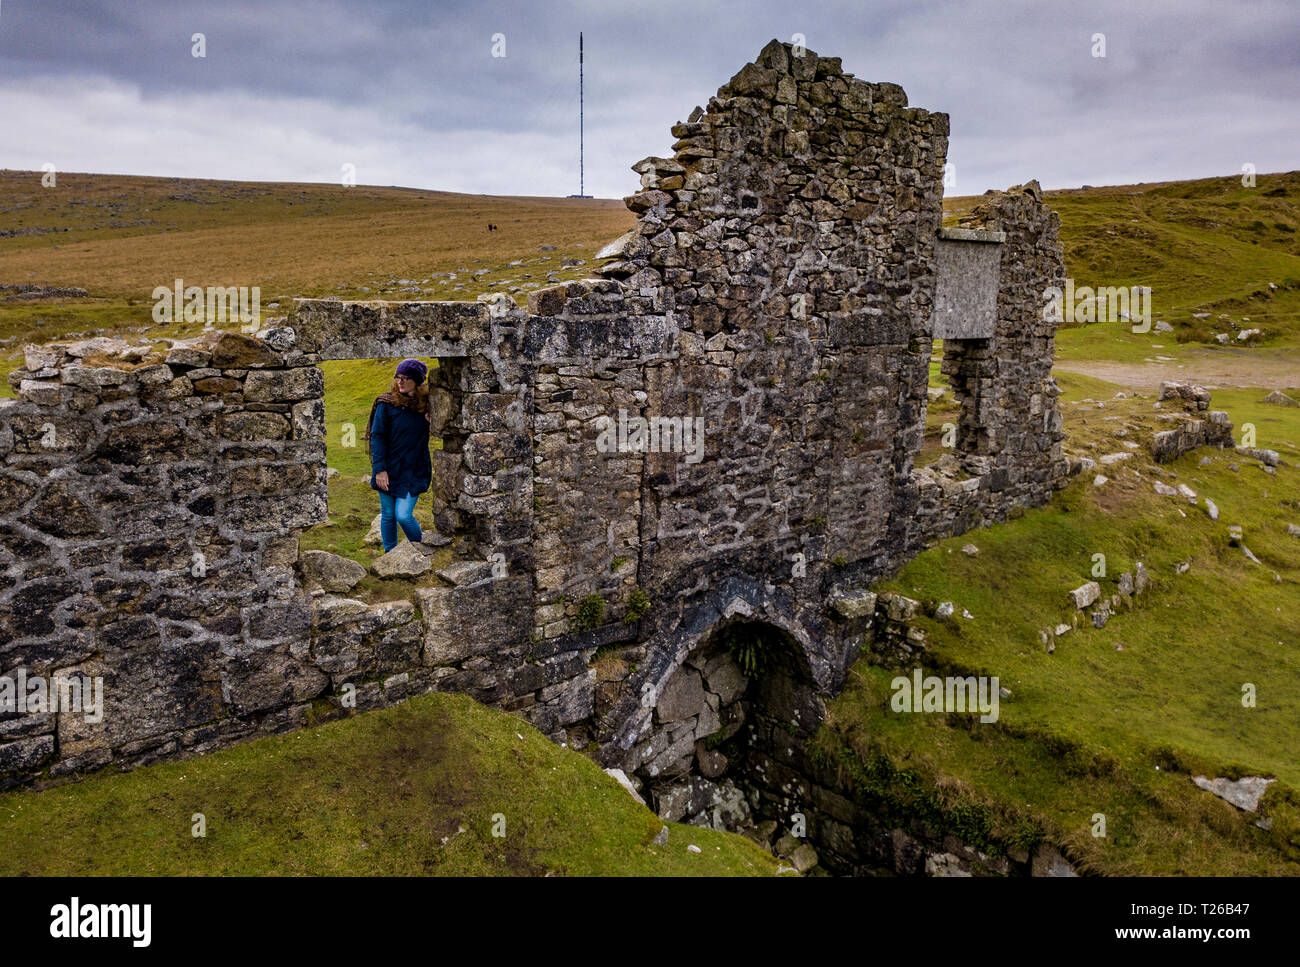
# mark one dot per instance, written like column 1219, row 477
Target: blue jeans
column 394, row 511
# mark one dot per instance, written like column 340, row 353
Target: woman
column 399, row 451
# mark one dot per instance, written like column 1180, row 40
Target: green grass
column 1087, row 725
column 382, row 793
column 1210, row 245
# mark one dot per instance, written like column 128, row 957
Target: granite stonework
column 769, row 318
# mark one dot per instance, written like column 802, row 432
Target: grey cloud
column 403, row 84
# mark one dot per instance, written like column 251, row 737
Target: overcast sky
column 411, row 94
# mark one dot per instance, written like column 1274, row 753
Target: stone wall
column 778, row 288
column 149, row 509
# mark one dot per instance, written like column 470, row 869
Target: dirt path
column 1209, row 368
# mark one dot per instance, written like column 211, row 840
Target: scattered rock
column 1278, row 398
column 786, row 845
column 1182, row 567
column 330, row 571
column 692, row 848
column 1267, row 457
column 970, row 550
column 945, row 610
column 1164, row 490
column 804, row 858
column 1212, row 509
column 661, row 837
column 403, row 561
column 1244, row 793
column 1048, row 861
column 946, row 864
column 619, row 776
column 1085, row 595
column 899, row 607
column 1100, row 479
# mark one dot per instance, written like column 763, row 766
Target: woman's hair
column 421, row 394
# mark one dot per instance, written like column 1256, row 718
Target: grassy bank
column 419, row 789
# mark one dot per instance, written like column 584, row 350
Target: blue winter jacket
column 399, row 443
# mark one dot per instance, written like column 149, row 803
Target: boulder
column 1267, row 457
column 1244, row 793
column 946, row 864
column 1048, row 861
column 804, row 858
column 899, row 607
column 403, row 561
column 619, row 776
column 330, row 571
column 1278, row 398
column 1086, row 594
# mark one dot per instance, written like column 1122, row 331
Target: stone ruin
column 683, row 614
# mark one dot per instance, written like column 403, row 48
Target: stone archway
column 733, row 704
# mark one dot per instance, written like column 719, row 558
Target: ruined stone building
column 784, row 285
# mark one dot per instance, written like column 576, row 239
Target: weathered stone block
column 288, row 385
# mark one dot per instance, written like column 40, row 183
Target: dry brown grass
column 126, row 235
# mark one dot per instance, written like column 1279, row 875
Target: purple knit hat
column 413, row 368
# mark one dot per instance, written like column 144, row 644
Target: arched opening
column 734, row 705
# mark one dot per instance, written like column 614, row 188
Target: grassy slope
column 1087, row 726
column 1202, row 246
column 382, row 793
column 126, row 235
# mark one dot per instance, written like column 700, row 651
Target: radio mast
column 581, row 172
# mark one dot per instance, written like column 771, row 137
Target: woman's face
column 405, row 385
